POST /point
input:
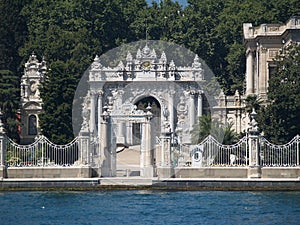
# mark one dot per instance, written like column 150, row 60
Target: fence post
column 2, row 148
column 298, row 153
column 254, row 170
column 84, row 148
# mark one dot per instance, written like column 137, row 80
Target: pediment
column 32, row 105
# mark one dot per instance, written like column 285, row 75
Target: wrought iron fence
column 212, row 153
column 41, row 153
column 286, row 155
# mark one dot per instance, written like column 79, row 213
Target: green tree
column 69, row 34
column 9, row 95
column 281, row 118
column 253, row 102
column 57, row 93
column 12, row 34
column 208, row 126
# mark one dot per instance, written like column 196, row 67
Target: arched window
column 32, row 125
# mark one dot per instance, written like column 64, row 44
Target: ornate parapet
column 146, row 66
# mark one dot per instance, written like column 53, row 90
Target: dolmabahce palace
column 174, row 92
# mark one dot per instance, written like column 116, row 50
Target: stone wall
column 49, row 172
column 243, row 172
column 213, row 172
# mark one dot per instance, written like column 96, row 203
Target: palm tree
column 201, row 129
column 208, row 126
column 230, row 136
column 253, row 102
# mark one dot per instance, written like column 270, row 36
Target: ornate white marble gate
column 114, row 89
column 110, row 129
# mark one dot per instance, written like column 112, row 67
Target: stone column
column 108, row 166
column 171, row 109
column 257, row 69
column 263, row 71
column 249, row 73
column 146, row 154
column 93, row 112
column 100, row 95
column 200, row 108
column 129, row 139
column 192, row 109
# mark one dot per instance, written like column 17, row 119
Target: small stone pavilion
column 31, row 102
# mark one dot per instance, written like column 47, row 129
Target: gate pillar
column 146, row 154
column 254, row 170
column 166, row 170
column 84, row 148
column 107, row 148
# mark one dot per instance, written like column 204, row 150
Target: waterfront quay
column 172, row 184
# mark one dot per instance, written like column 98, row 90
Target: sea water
column 149, row 207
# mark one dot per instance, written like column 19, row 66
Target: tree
column 13, row 32
column 9, row 104
column 281, row 118
column 69, row 34
column 253, row 102
column 208, row 126
column 57, row 93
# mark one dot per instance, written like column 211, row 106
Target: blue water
column 149, row 207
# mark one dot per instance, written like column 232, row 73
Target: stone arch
column 156, row 109
column 32, row 125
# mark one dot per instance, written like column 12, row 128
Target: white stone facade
column 262, row 44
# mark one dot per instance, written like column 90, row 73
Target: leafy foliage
column 70, row 33
column 9, row 95
column 208, row 126
column 281, row 118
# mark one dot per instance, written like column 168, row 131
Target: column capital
column 200, row 92
column 105, row 116
column 193, row 92
column 93, row 93
column 249, row 51
column 100, row 93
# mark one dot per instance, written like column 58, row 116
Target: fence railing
column 286, row 155
column 212, row 153
column 41, row 153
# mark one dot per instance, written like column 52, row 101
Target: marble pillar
column 100, row 95
column 93, row 112
column 192, row 109
column 249, row 73
column 146, row 153
column 200, row 108
column 129, row 138
column 171, row 109
column 263, row 70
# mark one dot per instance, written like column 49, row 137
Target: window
column 32, row 125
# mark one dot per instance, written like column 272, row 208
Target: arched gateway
column 145, row 82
